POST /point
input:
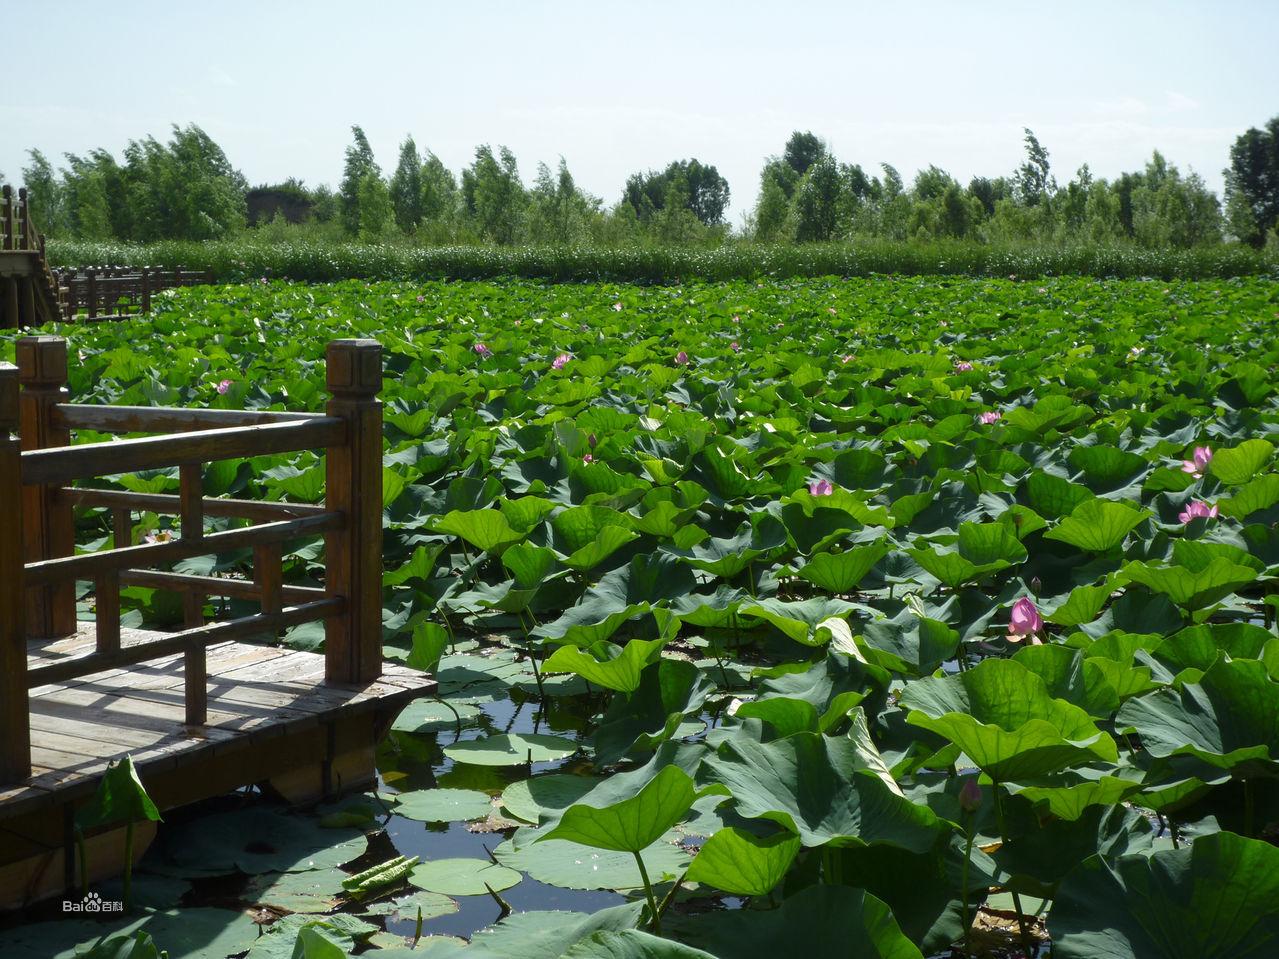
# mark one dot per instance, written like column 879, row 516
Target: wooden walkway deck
column 272, row 719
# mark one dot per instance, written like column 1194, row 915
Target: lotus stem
column 968, row 858
column 1003, row 839
column 648, row 892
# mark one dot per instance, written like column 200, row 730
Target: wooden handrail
column 88, row 566
column 61, row 465
column 179, row 642
column 165, row 419
column 214, row 585
column 37, row 597
column 167, row 504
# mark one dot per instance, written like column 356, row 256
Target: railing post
column 91, row 292
column 15, row 731
column 48, row 527
column 24, row 221
column 6, row 201
column 353, row 554
column 146, row 289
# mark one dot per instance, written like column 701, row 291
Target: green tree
column 770, row 210
column 493, row 194
column 406, row 187
column 703, row 191
column 817, row 202
column 559, row 213
column 1033, row 180
column 1252, row 183
column 359, row 164
column 439, row 191
column 802, row 151
column 44, row 194
column 376, row 210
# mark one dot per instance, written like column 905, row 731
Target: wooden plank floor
column 255, row 692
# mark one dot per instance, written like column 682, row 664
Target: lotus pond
column 894, row 617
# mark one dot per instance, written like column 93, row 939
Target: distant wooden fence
column 32, row 293
column 39, row 565
column 113, row 292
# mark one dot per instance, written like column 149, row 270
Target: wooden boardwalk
column 202, row 710
column 256, row 692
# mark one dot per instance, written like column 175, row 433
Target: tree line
column 188, row 189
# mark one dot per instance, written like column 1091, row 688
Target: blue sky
column 618, row 87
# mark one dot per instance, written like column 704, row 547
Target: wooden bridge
column 202, row 710
column 33, row 294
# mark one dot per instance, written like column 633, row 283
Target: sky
column 619, row 87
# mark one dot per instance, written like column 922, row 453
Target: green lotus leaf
column 511, row 749
column 569, row 865
column 985, row 544
column 443, row 805
column 1255, row 495
column 529, row 798
column 669, row 690
column 1192, row 588
column 1082, row 605
column 802, row 620
column 255, row 840
column 842, row 572
column 1217, row 899
column 742, row 863
column 632, row 944
column 633, row 824
column 547, row 935
column 1228, row 719
column 819, row 787
column 462, row 877
column 908, row 643
column 809, row 922
column 607, row 665
column 485, row 529
column 1001, row 715
column 1054, row 496
column 1097, row 525
column 1237, row 466
column 952, row 569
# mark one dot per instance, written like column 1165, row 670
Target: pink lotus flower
column 737, row 319
column 735, row 346
column 820, row 487
column 963, row 366
column 1024, row 621
column 421, row 298
column 847, row 358
column 1196, row 509
column 483, row 350
column 224, row 386
column 618, row 306
column 1196, row 466
column 588, row 458
column 970, row 795
column 591, row 441
column 990, row 416
column 561, row 361
column 158, row 536
column 681, row 358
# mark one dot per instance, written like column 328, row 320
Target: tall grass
column 242, row 259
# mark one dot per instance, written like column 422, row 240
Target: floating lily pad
column 511, row 749
column 443, row 805
column 462, row 877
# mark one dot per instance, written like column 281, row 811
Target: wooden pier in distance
column 202, row 710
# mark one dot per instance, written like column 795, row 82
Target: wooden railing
column 17, row 234
column 112, row 292
column 39, row 567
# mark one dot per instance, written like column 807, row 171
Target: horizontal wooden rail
column 213, row 585
column 168, row 504
column 164, row 419
column 90, row 663
column 64, row 464
column 88, row 566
